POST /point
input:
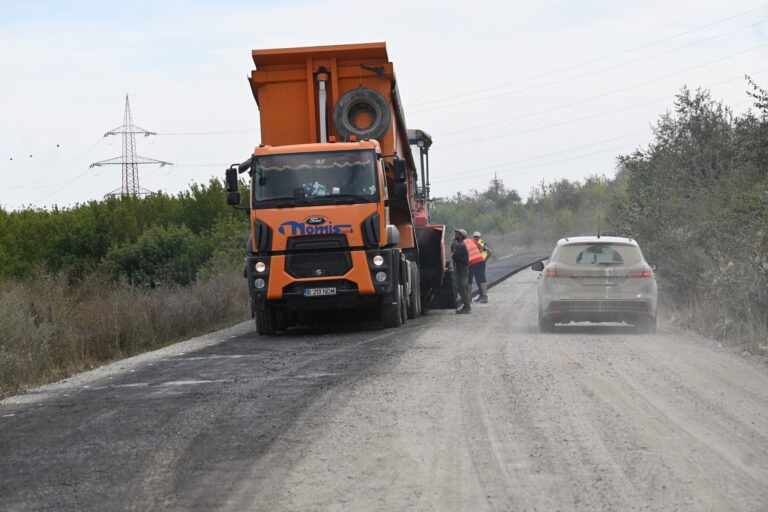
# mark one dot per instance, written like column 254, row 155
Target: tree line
column 158, row 238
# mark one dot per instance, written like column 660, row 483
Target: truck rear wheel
column 403, row 305
column 418, row 300
column 413, row 298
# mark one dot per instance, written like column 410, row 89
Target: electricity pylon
column 129, row 160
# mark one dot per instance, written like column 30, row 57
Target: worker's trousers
column 462, row 284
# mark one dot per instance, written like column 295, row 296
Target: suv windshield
column 298, row 179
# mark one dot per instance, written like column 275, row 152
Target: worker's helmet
column 477, row 234
column 462, row 231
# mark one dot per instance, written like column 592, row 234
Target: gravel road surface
column 476, row 412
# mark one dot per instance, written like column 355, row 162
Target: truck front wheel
column 265, row 322
column 392, row 308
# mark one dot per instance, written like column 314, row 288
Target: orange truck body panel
column 284, row 87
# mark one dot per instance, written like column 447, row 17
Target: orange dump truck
column 339, row 214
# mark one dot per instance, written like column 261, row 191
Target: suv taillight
column 646, row 272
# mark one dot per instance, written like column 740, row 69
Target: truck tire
column 281, row 321
column 265, row 322
column 403, row 305
column 392, row 310
column 362, row 101
column 418, row 298
column 413, row 298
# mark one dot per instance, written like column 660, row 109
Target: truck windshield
column 300, row 179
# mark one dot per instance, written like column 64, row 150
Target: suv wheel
column 545, row 324
column 646, row 325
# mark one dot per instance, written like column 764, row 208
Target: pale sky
column 530, row 90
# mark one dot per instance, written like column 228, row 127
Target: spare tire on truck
column 355, row 107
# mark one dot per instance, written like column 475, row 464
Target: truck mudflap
column 445, row 296
column 436, row 282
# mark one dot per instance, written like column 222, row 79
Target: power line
column 618, row 90
column 64, row 185
column 519, row 169
column 187, row 89
column 484, row 27
column 226, row 132
column 568, row 121
column 585, row 63
column 45, row 177
column 558, row 107
column 544, row 155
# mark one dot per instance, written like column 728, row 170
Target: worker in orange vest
column 477, row 271
column 476, row 266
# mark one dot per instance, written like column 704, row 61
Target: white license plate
column 319, row 292
column 599, row 281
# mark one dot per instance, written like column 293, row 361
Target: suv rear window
column 599, row 254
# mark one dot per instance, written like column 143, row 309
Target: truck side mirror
column 233, row 198
column 231, row 179
column 401, row 172
column 233, row 191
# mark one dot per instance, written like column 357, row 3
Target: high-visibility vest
column 481, row 242
column 475, row 256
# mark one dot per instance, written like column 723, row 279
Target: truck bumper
column 291, row 295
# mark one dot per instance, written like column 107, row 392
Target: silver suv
column 596, row 279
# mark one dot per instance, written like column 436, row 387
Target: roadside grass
column 50, row 328
column 708, row 319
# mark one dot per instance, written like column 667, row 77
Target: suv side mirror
column 538, row 266
column 401, row 172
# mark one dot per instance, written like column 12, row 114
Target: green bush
column 697, row 199
column 160, row 255
column 134, row 237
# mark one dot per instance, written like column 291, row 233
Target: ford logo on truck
column 315, row 220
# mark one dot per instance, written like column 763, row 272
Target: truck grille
column 318, row 256
column 318, row 264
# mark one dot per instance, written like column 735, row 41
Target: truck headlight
column 381, row 276
column 259, row 283
column 260, row 266
column 378, row 260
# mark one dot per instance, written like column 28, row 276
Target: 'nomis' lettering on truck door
column 294, row 228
